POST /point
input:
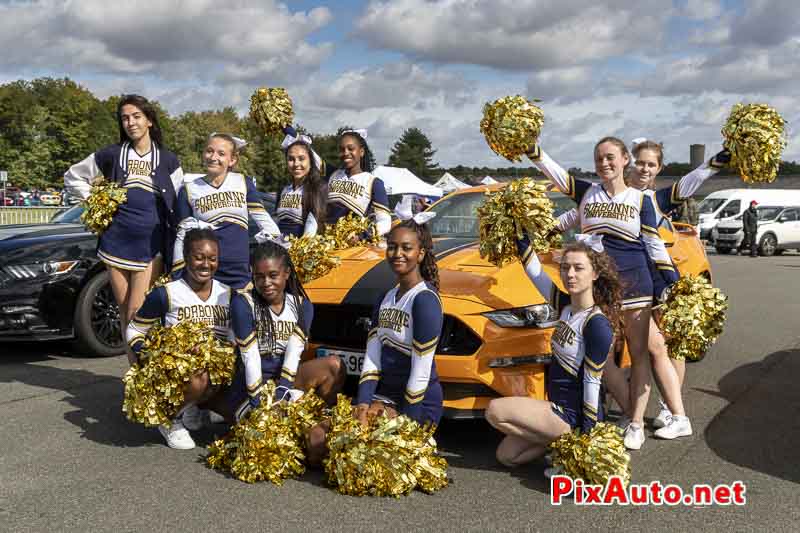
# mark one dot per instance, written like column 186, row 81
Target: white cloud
column 244, row 40
column 702, row 9
column 512, row 34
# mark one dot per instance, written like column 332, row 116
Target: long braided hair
column 607, row 288
column 265, row 326
column 314, row 200
column 427, row 267
column 366, row 160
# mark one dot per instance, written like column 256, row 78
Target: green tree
column 414, row 151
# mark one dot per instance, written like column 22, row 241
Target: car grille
column 727, row 231
column 347, row 326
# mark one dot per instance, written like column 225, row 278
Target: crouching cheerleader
column 196, row 296
column 271, row 323
column 580, row 344
column 399, row 372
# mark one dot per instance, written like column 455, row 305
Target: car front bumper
column 37, row 309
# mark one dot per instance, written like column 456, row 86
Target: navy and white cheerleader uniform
column 175, row 302
column 144, row 225
column 290, row 213
column 227, row 208
column 362, row 194
column 399, row 366
column 580, row 345
column 629, row 226
column 262, row 358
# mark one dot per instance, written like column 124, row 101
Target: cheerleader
column 139, row 239
column 399, row 372
column 353, row 189
column 223, row 200
column 301, row 204
column 580, row 345
column 271, row 324
column 627, row 219
column 195, row 296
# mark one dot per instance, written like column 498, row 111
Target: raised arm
column 670, row 198
column 78, row 178
column 573, row 188
column 426, row 313
column 597, row 338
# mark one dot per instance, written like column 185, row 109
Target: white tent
column 402, row 181
column 449, row 183
column 488, row 180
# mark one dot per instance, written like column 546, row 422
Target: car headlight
column 530, row 316
column 38, row 270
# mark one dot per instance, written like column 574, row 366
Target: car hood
column 38, row 231
column 364, row 275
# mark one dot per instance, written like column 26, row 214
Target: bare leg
column 120, row 283
column 664, row 372
column 680, row 369
column 637, row 326
column 524, row 419
column 140, row 283
column 325, row 376
column 616, row 382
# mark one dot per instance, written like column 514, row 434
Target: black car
column 53, row 286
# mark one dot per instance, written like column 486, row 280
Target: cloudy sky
column 669, row 72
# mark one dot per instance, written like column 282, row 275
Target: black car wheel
column 768, row 245
column 722, row 250
column 97, row 325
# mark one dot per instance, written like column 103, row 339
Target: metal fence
column 27, row 215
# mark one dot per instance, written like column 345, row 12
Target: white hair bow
column 190, row 223
column 361, row 132
column 262, row 236
column 238, row 142
column 304, row 139
column 405, row 211
column 593, row 241
column 637, row 141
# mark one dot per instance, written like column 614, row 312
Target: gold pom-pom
column 169, row 358
column 594, row 456
column 755, row 135
column 349, row 227
column 692, row 318
column 504, row 214
column 101, row 205
column 388, row 457
column 268, row 443
column 312, row 256
column 271, row 109
column 511, row 126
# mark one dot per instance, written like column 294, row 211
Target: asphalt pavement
column 69, row 461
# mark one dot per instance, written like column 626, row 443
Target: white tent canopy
column 402, row 181
column 449, row 183
column 488, row 180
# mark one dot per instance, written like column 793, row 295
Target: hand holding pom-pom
column 755, row 135
column 271, row 109
column 511, row 126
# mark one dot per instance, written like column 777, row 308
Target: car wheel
column 768, row 245
column 722, row 250
column 97, row 326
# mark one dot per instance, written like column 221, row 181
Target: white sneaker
column 677, row 426
column 176, row 436
column 634, row 436
column 551, row 471
column 193, row 418
column 663, row 416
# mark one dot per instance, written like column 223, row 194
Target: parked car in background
column 778, row 230
column 50, row 199
column 729, row 203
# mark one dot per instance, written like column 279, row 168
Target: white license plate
column 727, row 237
column 353, row 361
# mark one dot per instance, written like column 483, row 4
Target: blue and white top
column 144, row 225
column 580, row 345
column 227, row 207
column 290, row 339
column 290, row 213
column 175, row 302
column 399, row 363
column 362, row 194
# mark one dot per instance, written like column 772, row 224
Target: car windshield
column 769, row 213
column 709, row 205
column 70, row 216
column 456, row 215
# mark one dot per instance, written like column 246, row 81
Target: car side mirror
column 781, row 220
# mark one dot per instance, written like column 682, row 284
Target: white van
column 733, row 202
column 778, row 230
